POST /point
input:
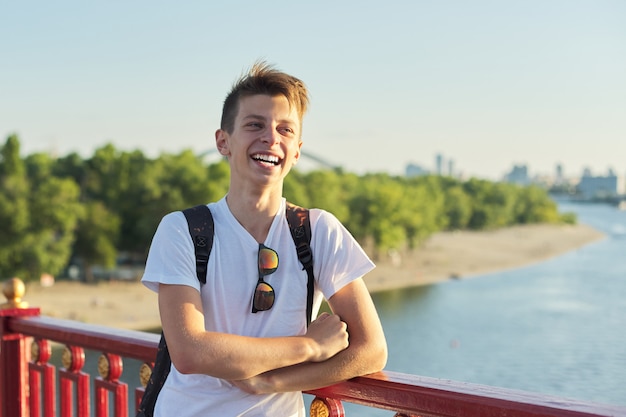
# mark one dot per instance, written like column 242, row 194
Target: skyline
column 487, row 84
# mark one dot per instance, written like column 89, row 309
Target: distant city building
column 451, row 167
column 518, row 175
column 591, row 187
column 559, row 177
column 439, row 164
column 414, row 170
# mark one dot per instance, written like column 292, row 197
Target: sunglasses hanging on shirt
column 264, row 294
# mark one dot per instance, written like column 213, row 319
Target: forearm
column 239, row 357
column 235, row 357
column 345, row 365
column 352, row 362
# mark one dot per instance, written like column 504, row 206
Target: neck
column 254, row 212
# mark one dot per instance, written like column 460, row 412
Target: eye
column 287, row 130
column 254, row 125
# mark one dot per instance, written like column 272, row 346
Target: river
column 557, row 327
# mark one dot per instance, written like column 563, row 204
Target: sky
column 487, row 84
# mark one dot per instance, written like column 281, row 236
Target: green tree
column 326, row 191
column 74, row 167
column 14, row 213
column 481, row 217
column 54, row 212
column 534, row 205
column 171, row 182
column 499, row 200
column 218, row 180
column 295, row 189
column 376, row 213
column 38, row 216
column 422, row 208
column 105, row 177
column 137, row 194
column 96, row 238
column 458, row 208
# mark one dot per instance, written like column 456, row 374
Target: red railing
column 28, row 385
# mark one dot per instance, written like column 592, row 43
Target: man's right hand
column 330, row 334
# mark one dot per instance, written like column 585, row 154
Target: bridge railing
column 29, row 385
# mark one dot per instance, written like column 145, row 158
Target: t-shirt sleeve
column 171, row 258
column 338, row 257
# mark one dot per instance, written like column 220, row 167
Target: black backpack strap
column 160, row 371
column 300, row 226
column 200, row 222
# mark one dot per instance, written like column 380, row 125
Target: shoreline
column 465, row 254
column 442, row 257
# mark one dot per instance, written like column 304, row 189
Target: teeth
column 266, row 158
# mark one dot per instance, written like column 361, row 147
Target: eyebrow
column 263, row 118
column 254, row 116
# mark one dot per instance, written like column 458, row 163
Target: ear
column 298, row 153
column 222, row 143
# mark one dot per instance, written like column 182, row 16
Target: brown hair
column 264, row 79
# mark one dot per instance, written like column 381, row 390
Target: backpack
column 201, row 228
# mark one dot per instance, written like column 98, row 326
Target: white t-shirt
column 227, row 298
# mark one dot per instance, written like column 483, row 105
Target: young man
column 234, row 352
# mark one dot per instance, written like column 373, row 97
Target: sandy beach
column 444, row 256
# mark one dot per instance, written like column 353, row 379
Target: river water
column 558, row 327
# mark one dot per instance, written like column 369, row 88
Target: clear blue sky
column 486, row 83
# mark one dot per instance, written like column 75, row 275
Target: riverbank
column 464, row 254
column 444, row 256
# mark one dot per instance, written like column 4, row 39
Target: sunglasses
column 264, row 293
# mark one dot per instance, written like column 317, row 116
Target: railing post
column 110, row 367
column 42, row 380
column 14, row 352
column 74, row 383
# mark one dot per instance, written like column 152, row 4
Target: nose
column 270, row 136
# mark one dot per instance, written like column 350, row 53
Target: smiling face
column 264, row 143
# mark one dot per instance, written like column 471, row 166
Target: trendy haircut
column 264, row 79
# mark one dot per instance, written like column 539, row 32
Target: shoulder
column 178, row 219
column 174, row 221
column 318, row 218
column 323, row 219
column 314, row 214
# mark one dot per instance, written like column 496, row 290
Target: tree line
column 54, row 210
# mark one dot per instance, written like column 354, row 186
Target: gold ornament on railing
column 318, row 409
column 326, row 407
column 40, row 351
column 13, row 290
column 145, row 372
column 110, row 366
column 103, row 366
column 73, row 358
column 66, row 358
